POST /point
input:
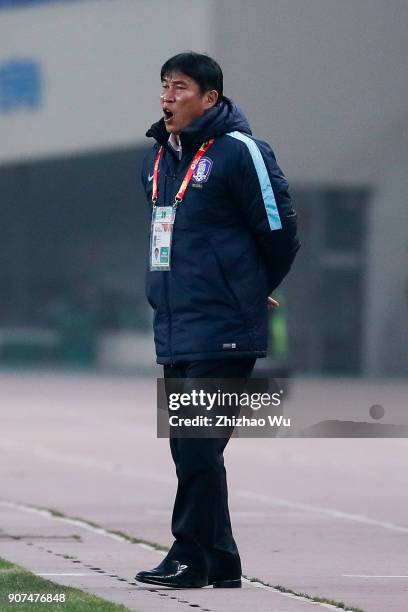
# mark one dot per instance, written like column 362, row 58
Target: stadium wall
column 325, row 82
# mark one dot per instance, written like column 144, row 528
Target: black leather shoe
column 173, row 573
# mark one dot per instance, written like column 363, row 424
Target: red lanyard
column 186, row 181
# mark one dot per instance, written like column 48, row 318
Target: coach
column 223, row 236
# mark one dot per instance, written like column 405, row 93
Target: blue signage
column 21, row 85
column 17, row 3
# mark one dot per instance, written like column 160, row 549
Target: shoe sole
column 170, row 586
column 227, row 584
column 217, row 584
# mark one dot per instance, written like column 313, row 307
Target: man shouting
column 223, row 236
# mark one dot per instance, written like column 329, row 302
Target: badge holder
column 161, row 236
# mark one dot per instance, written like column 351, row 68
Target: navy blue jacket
column 234, row 240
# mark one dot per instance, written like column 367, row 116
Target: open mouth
column 168, row 115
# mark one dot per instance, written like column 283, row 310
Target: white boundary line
column 103, row 532
column 369, row 576
column 331, row 512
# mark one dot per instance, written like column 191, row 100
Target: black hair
column 205, row 71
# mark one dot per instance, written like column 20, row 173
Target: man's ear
column 211, row 98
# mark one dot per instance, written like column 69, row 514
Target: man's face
column 182, row 102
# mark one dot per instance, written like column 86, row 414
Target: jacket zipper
column 166, row 274
column 173, row 177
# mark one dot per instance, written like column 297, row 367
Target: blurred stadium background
column 324, row 82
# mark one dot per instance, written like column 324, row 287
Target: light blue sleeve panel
column 265, row 183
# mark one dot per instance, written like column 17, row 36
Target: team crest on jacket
column 202, row 172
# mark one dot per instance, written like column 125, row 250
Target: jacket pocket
column 238, row 306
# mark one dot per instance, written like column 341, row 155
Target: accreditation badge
column 161, row 236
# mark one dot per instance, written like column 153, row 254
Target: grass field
column 15, row 579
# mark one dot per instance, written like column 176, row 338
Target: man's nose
column 167, row 97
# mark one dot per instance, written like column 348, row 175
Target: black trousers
column 201, row 522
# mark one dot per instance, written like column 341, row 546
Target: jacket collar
column 220, row 119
